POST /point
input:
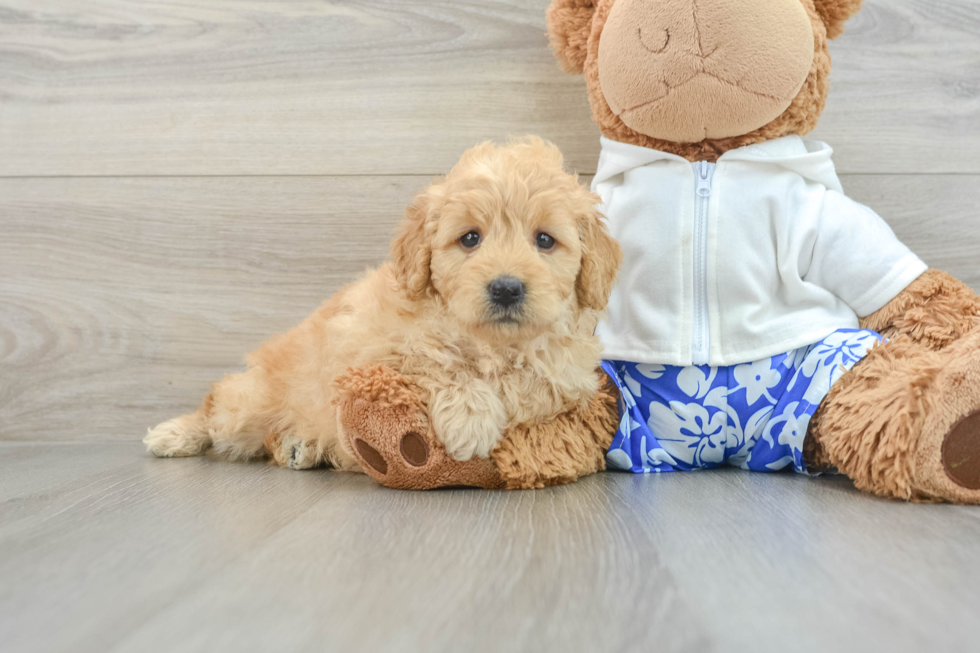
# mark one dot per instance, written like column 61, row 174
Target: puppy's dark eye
column 544, row 241
column 470, row 240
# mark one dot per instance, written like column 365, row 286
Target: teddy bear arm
column 563, row 449
column 385, row 426
column 934, row 311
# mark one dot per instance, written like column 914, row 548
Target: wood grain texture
column 137, row 265
column 122, row 299
column 115, row 87
column 105, row 549
column 117, row 295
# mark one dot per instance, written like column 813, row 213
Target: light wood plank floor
column 179, row 180
column 105, row 549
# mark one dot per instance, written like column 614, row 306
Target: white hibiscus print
column 689, row 433
column 653, row 458
column 795, row 432
column 827, row 361
column 619, row 459
column 717, row 398
column 635, row 389
column 795, row 358
column 626, row 399
column 746, row 438
column 787, row 428
column 756, row 379
column 651, row 371
column 694, row 382
column 711, row 422
column 658, row 456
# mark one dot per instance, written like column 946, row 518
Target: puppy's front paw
column 468, row 426
column 476, row 440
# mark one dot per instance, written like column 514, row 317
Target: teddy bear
column 763, row 319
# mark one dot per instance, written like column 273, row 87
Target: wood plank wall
column 179, row 180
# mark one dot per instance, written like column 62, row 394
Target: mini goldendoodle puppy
column 497, row 279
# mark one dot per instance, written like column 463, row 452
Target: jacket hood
column 809, row 159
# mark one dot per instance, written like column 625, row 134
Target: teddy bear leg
column 384, row 425
column 905, row 422
column 562, row 450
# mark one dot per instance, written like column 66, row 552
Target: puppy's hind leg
column 183, row 436
column 238, row 422
column 229, row 420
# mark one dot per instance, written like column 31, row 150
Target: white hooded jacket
column 738, row 261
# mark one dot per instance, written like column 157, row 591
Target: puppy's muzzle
column 506, row 292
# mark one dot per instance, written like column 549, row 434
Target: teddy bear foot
column 947, row 460
column 385, row 427
column 905, row 423
column 961, row 453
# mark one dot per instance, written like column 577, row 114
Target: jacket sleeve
column 857, row 257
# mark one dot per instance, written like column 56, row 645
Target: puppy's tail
column 184, row 436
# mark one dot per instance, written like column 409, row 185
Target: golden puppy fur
column 427, row 313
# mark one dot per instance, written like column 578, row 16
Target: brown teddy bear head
column 700, row 77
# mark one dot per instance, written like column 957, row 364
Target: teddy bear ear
column 835, row 13
column 569, row 25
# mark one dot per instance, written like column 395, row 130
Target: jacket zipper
column 704, row 173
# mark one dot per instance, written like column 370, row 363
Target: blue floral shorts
column 752, row 416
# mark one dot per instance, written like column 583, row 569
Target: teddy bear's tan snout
column 687, row 70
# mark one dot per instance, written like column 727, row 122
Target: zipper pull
column 705, row 173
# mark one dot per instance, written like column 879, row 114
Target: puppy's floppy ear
column 569, row 26
column 835, row 13
column 601, row 256
column 411, row 248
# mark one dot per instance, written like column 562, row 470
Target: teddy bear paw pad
column 371, row 456
column 961, row 452
column 414, row 449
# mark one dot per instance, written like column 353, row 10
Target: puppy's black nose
column 506, row 291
